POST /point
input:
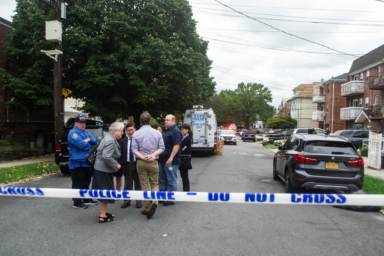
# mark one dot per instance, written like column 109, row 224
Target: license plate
column 332, row 165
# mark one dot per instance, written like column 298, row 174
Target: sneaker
column 92, row 202
column 80, row 206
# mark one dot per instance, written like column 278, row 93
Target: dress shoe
column 168, row 203
column 125, row 204
column 151, row 212
column 144, row 212
column 138, row 204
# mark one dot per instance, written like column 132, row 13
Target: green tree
column 246, row 104
column 281, row 122
column 120, row 57
column 32, row 84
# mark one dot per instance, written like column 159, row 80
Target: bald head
column 170, row 120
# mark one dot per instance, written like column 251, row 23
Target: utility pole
column 57, row 87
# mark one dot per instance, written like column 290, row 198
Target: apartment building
column 363, row 92
column 301, row 107
column 329, row 102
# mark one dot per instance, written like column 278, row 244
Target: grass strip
column 27, row 172
column 373, row 185
column 271, row 146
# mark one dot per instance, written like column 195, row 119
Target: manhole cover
column 269, row 180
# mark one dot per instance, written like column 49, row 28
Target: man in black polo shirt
column 169, row 160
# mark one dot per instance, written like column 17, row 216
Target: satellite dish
column 323, row 114
column 322, row 80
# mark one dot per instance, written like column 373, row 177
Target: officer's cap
column 80, row 119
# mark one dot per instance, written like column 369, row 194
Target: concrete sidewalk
column 27, row 161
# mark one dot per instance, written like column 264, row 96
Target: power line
column 286, row 32
column 273, row 7
column 249, row 78
column 278, row 58
column 307, row 32
column 277, row 48
column 289, row 16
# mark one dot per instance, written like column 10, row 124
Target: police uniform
column 80, row 170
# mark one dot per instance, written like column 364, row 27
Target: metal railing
column 352, row 88
column 318, row 116
column 376, row 82
column 377, row 110
column 18, row 146
column 350, row 113
column 318, row 98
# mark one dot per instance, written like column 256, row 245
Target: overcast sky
column 281, row 70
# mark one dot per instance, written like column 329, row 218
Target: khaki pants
column 148, row 175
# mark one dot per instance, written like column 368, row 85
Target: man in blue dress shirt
column 79, row 142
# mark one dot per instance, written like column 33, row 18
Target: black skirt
column 104, row 181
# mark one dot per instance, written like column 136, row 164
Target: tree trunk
column 247, row 123
column 136, row 119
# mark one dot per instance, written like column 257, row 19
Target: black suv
column 318, row 162
column 248, row 135
column 95, row 127
column 355, row 136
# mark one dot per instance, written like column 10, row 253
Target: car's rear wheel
column 287, row 183
column 65, row 170
column 235, row 143
column 275, row 176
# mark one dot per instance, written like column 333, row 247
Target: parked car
column 248, row 135
column 308, row 131
column 95, row 127
column 281, row 135
column 318, row 162
column 355, row 136
column 228, row 136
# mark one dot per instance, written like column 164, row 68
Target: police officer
column 79, row 142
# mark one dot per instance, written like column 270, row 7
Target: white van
column 204, row 127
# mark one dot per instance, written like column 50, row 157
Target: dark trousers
column 185, row 178
column 130, row 177
column 81, row 179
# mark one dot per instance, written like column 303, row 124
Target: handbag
column 90, row 159
column 185, row 162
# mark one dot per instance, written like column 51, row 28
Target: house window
column 354, row 103
column 356, row 77
column 361, row 76
column 327, row 107
column 322, row 108
column 321, row 90
column 377, row 71
column 377, row 98
column 367, row 76
column 360, row 102
column 328, row 88
column 366, row 102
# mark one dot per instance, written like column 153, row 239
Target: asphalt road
column 43, row 226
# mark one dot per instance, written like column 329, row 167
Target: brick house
column 14, row 123
column 280, row 110
column 328, row 100
column 364, row 93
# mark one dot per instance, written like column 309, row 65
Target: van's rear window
column 330, row 147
